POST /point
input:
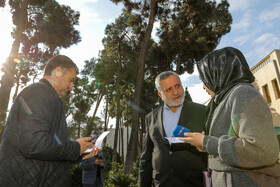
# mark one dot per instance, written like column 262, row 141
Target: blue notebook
column 179, row 131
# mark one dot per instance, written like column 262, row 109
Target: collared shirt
column 170, row 119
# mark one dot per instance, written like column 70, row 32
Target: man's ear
column 159, row 94
column 57, row 72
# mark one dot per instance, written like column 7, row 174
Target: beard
column 171, row 103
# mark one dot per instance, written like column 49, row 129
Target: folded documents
column 98, row 143
column 172, row 140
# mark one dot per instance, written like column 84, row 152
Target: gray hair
column 162, row 76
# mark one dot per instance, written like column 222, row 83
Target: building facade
column 267, row 81
column 123, row 137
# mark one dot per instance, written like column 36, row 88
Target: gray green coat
column 242, row 144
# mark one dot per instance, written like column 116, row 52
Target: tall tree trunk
column 119, row 146
column 178, row 65
column 122, row 144
column 179, row 61
column 121, row 140
column 52, row 48
column 105, row 140
column 142, row 132
column 7, row 83
column 127, row 137
column 9, row 67
column 114, row 159
column 17, row 87
column 79, row 129
column 106, row 121
column 137, row 96
column 98, row 103
column 34, row 77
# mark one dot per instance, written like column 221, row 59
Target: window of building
column 266, row 93
column 276, row 88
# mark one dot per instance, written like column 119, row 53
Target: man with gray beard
column 177, row 164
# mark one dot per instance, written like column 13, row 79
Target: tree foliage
column 117, row 60
column 188, row 30
column 41, row 28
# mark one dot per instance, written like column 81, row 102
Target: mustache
column 177, row 96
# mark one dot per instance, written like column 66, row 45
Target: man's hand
column 96, row 162
column 94, row 152
column 101, row 163
column 84, row 144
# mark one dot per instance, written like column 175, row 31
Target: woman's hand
column 195, row 139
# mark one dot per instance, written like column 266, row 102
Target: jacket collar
column 45, row 81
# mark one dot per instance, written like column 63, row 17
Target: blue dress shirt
column 170, row 119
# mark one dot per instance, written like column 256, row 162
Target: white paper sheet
column 172, row 140
column 98, row 143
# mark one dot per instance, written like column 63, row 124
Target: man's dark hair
column 60, row 61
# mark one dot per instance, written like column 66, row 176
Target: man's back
column 35, row 129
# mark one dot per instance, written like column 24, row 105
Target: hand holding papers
column 98, row 143
column 177, row 132
column 172, row 140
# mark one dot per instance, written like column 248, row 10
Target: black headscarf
column 220, row 71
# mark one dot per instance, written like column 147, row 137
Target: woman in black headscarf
column 241, row 141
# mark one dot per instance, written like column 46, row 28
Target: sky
column 255, row 31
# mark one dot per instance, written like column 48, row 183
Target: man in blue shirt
column 177, row 164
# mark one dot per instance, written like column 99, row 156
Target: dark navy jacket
column 179, row 164
column 35, row 149
column 90, row 170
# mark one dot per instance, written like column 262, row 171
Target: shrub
column 117, row 178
